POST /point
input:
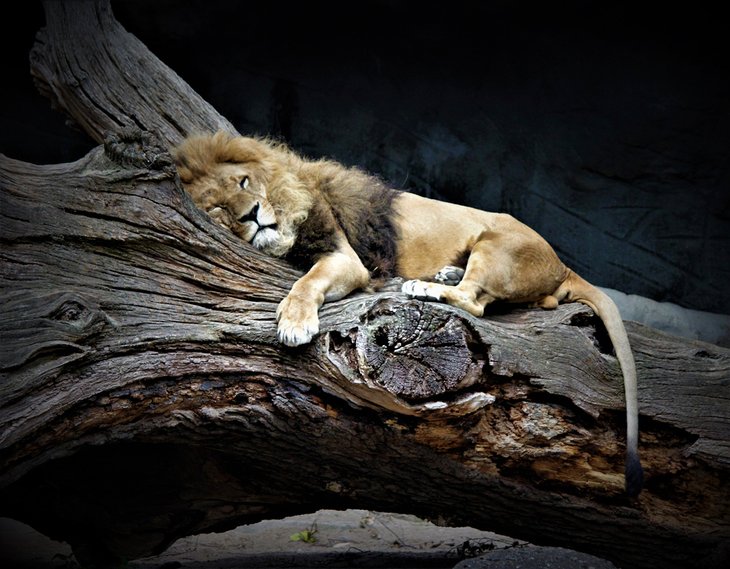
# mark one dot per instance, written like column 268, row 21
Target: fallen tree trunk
column 144, row 396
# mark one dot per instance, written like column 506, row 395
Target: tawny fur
column 341, row 225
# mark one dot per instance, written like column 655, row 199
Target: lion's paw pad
column 421, row 289
column 449, row 275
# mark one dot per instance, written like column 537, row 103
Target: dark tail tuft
column 634, row 474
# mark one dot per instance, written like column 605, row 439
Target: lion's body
column 341, row 226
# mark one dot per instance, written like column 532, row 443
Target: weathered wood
column 143, row 395
column 112, row 81
column 136, row 329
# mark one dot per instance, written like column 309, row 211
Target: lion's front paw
column 297, row 321
column 422, row 290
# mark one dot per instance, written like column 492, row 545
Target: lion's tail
column 576, row 289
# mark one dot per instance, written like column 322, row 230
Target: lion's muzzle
column 251, row 215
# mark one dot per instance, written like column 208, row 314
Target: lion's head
column 247, row 185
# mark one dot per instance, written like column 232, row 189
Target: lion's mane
column 312, row 198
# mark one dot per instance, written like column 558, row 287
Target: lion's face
column 246, row 186
column 235, row 197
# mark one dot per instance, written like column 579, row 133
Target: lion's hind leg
column 516, row 266
column 467, row 291
column 425, row 290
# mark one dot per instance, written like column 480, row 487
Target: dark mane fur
column 359, row 204
column 370, row 229
column 315, row 237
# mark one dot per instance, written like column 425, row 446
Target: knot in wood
column 415, row 351
column 136, row 148
column 56, row 327
column 76, row 312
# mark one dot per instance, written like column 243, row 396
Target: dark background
column 603, row 125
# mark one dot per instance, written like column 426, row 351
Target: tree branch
column 112, row 81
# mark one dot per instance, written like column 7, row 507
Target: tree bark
column 143, row 396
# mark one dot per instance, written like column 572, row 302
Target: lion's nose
column 251, row 215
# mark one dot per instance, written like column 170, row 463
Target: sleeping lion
column 341, row 226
